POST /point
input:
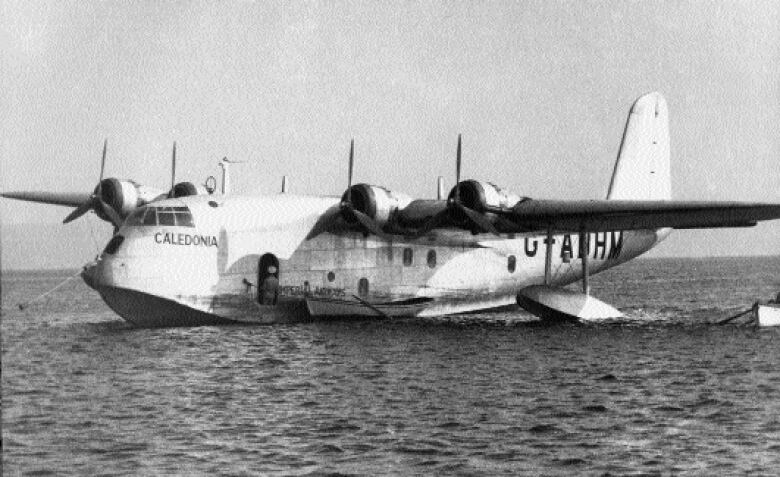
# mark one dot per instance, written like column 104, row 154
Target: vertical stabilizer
column 642, row 170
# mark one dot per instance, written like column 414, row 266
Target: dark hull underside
column 149, row 311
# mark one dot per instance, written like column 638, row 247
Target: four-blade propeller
column 347, row 207
column 455, row 207
column 172, row 191
column 95, row 201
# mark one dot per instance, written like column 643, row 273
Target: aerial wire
column 94, row 240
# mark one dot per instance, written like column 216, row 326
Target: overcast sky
column 539, row 90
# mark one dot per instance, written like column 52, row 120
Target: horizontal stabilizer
column 54, row 198
column 561, row 304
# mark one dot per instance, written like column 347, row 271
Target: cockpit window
column 150, row 218
column 137, row 216
column 169, row 216
column 183, row 217
column 165, row 217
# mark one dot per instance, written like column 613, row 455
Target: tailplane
column 642, row 170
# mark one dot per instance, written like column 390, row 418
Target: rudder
column 642, row 170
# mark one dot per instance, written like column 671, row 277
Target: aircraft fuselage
column 211, row 267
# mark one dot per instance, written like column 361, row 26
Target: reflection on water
column 497, row 393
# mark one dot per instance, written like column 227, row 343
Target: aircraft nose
column 88, row 274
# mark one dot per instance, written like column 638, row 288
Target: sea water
column 663, row 391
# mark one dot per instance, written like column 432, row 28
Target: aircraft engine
column 376, row 202
column 124, row 196
column 120, row 195
column 183, row 189
column 485, row 196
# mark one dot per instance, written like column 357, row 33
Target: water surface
column 662, row 391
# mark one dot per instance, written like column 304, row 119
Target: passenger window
column 408, row 256
column 432, row 258
column 511, row 263
column 363, row 287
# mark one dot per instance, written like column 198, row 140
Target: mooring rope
column 730, row 318
column 92, row 234
column 22, row 306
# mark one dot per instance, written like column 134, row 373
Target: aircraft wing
column 602, row 215
column 55, row 198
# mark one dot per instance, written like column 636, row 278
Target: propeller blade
column 457, row 173
column 80, row 210
column 475, row 217
column 351, row 164
column 110, row 212
column 325, row 221
column 102, row 168
column 368, row 223
column 173, row 170
column 90, row 203
column 480, row 220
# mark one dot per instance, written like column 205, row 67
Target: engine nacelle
column 485, row 196
column 376, row 202
column 183, row 189
column 124, row 196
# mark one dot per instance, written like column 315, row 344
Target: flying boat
column 192, row 256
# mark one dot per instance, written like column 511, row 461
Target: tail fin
column 642, row 169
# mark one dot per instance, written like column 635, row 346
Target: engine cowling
column 376, row 202
column 124, row 196
column 120, row 195
column 485, row 196
column 184, row 189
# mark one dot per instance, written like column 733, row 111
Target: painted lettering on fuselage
column 601, row 245
column 305, row 290
column 171, row 238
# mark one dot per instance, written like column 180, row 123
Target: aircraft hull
column 166, row 275
column 145, row 310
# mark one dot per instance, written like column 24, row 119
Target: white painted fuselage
column 208, row 272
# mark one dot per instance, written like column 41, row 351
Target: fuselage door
column 268, row 279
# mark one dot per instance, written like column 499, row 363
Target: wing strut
column 548, row 257
column 584, row 252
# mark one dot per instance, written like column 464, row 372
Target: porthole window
column 511, row 264
column 408, row 256
column 432, row 258
column 363, row 287
column 331, row 276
